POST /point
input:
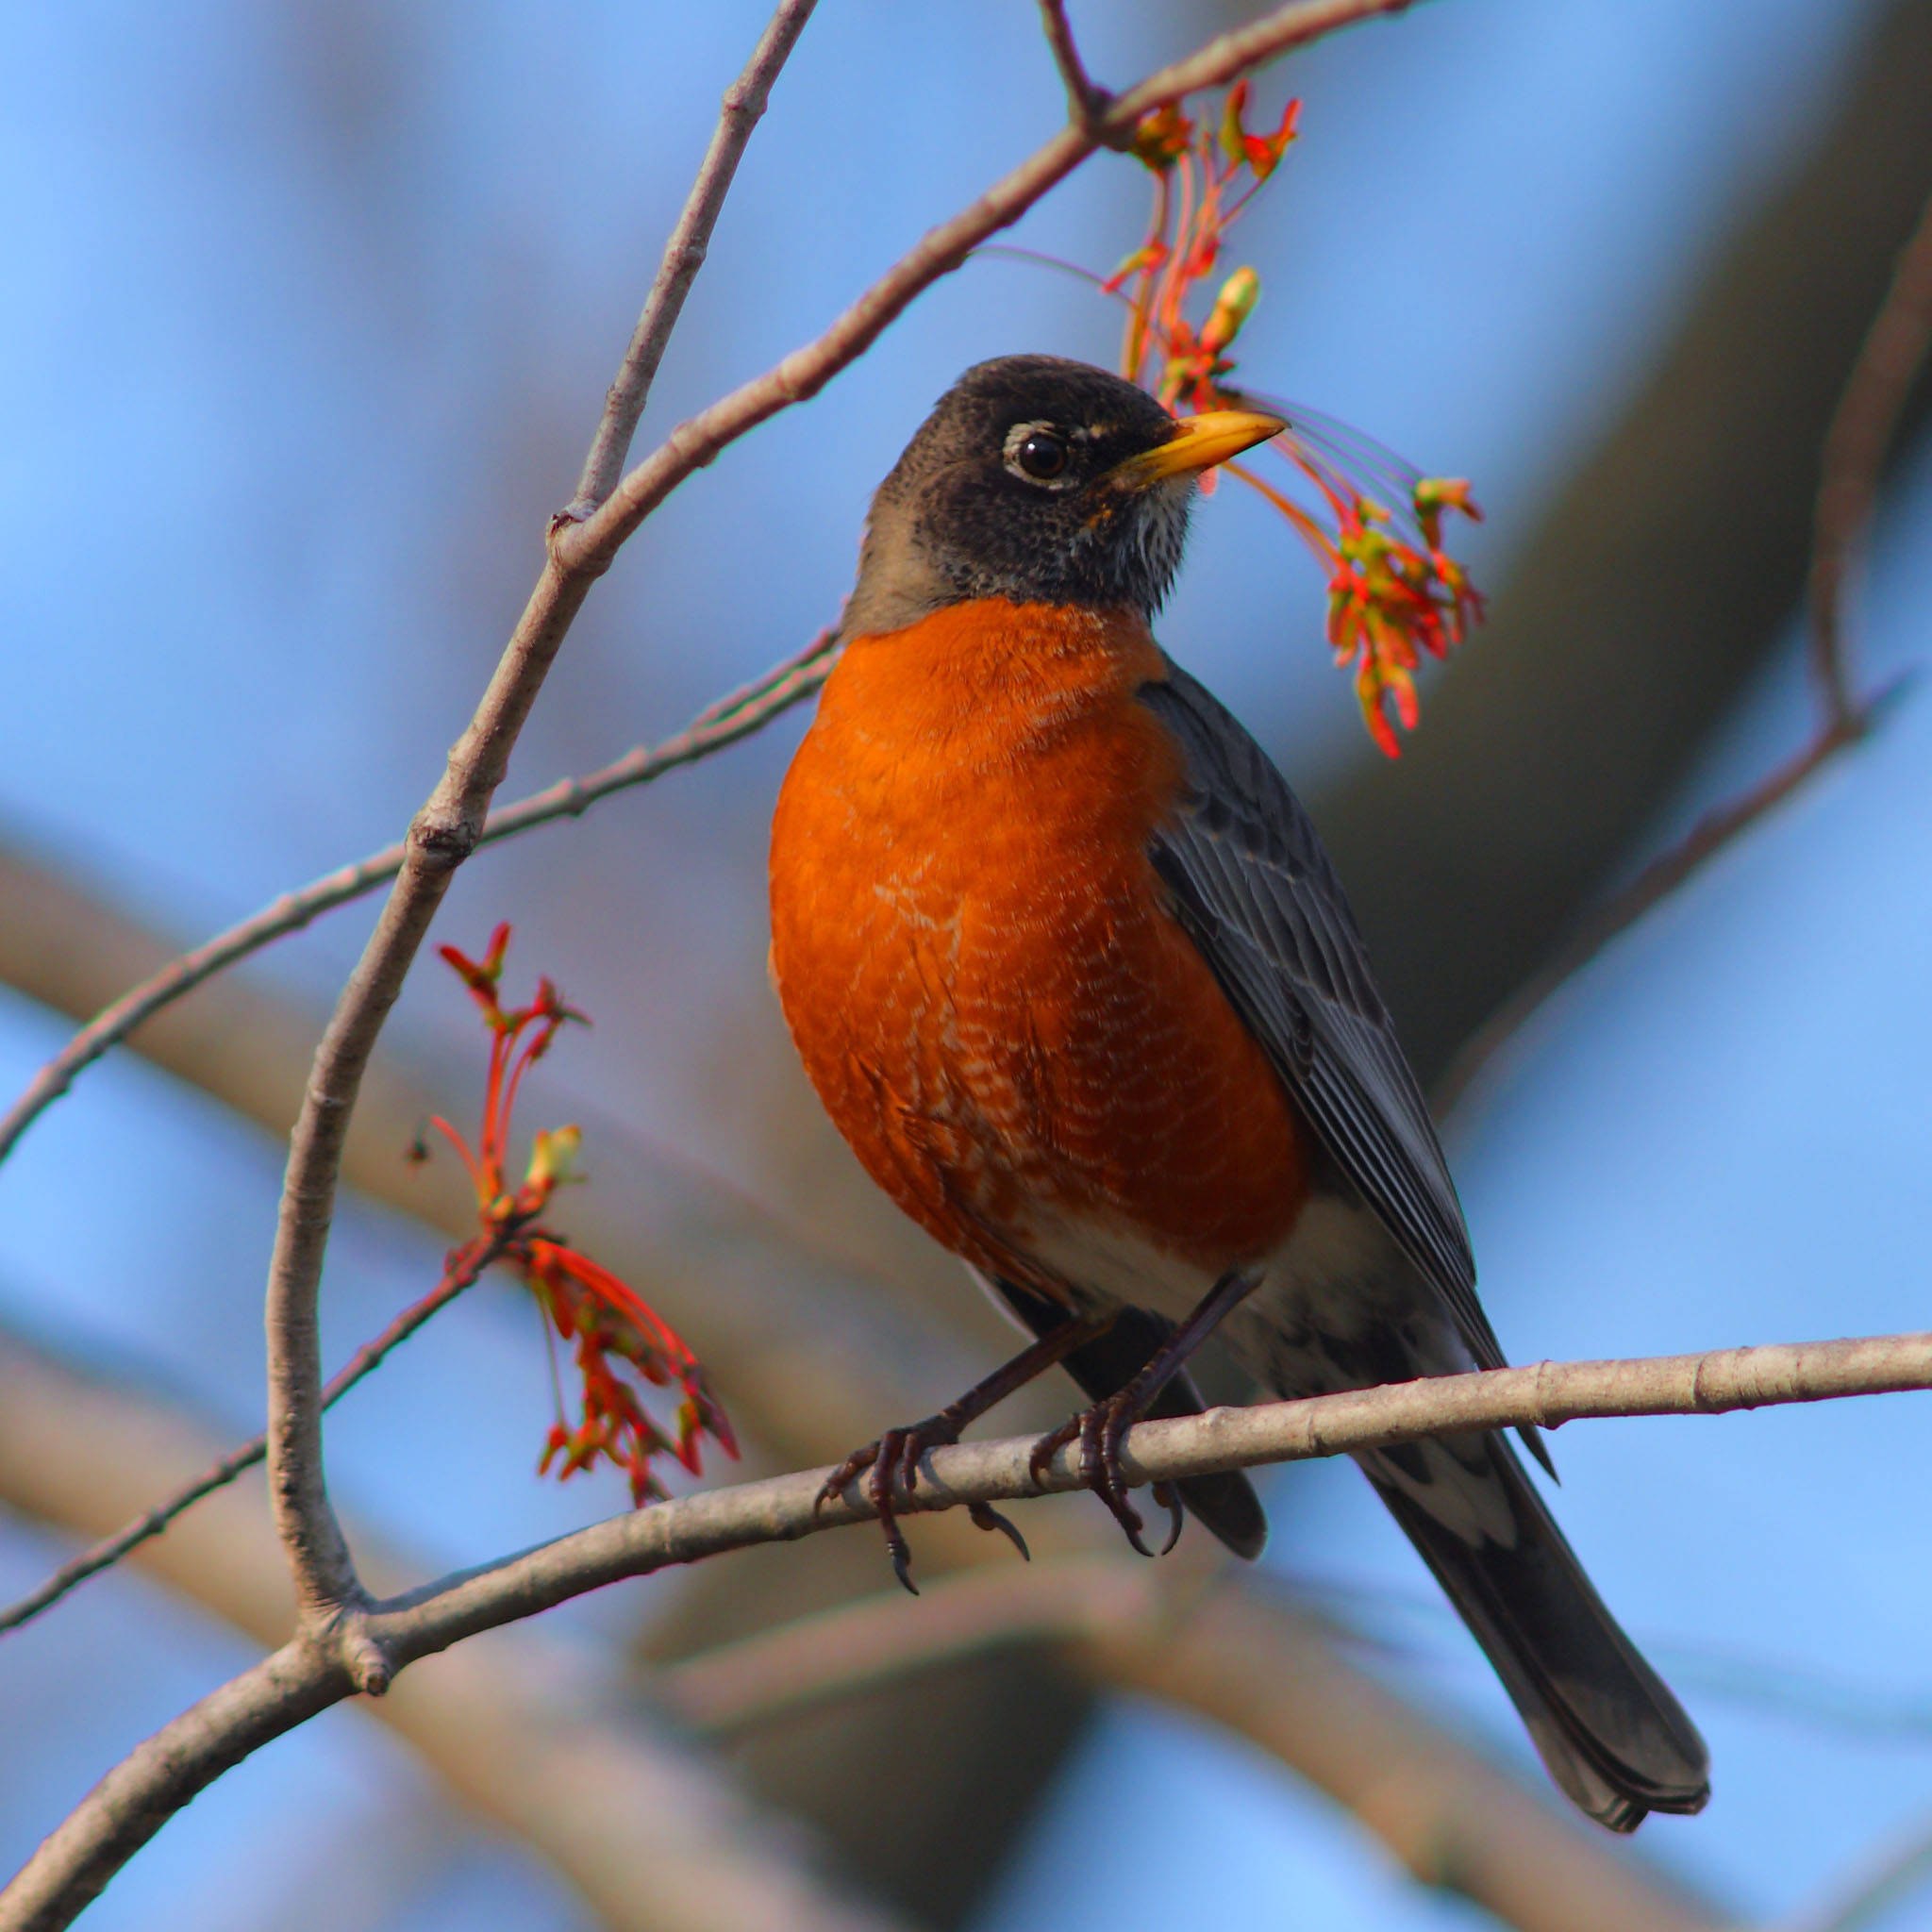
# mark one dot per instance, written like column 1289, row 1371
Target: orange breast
column 973, row 955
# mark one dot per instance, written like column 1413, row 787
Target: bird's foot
column 1100, row 1431
column 891, row 1468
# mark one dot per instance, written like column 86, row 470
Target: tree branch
column 1218, row 1641
column 725, row 721
column 535, row 1734
column 468, row 1269
column 444, row 834
column 311, row 1671
column 684, row 255
column 1861, row 432
column 1855, row 449
column 1087, row 104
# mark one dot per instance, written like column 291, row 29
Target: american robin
column 1071, row 971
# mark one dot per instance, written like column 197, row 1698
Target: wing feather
column 1256, row 892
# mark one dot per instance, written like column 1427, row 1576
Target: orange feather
column 976, row 961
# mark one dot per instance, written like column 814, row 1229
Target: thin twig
column 468, row 1268
column 1899, row 1872
column 1861, row 429
column 309, row 1673
column 1086, row 102
column 1851, row 463
column 1661, row 878
column 684, row 255
column 722, row 722
column 699, row 440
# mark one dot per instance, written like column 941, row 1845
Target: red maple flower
column 618, row 1337
column 1376, row 523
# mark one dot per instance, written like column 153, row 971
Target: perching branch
column 1854, row 455
column 311, row 1671
column 1218, row 1641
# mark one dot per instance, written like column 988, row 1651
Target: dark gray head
column 1043, row 481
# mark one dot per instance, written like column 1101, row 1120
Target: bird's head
column 1043, row 481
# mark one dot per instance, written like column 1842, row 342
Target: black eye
column 1041, row 455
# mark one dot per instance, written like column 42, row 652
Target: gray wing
column 1256, row 892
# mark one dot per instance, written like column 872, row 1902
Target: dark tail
column 1611, row 1734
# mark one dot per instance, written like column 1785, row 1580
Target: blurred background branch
column 654, row 1837
column 1660, row 578
column 1856, row 446
column 1221, row 1644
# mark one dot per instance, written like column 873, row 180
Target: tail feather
column 1612, row 1735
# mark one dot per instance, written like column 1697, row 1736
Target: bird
column 1072, row 973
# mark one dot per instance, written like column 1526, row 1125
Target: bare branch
column 1854, row 455
column 444, row 833
column 537, row 1735
column 722, row 722
column 699, row 440
column 1218, row 1641
column 784, row 1508
column 1711, row 835
column 468, row 1270
column 1087, row 104
column 742, row 108
column 1889, row 361
column 312, row 1671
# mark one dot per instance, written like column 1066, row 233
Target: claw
column 891, row 1468
column 986, row 1517
column 1169, row 1497
column 1101, row 1431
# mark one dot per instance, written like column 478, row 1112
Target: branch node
column 367, row 1662
column 1088, row 103
column 442, row 843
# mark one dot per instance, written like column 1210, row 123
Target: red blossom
column 1394, row 592
column 618, row 1337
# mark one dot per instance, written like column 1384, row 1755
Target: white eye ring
column 1039, row 451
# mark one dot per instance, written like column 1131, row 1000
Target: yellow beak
column 1197, row 443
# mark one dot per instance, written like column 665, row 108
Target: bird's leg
column 1102, row 1428
column 892, row 1462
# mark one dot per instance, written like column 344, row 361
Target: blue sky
column 308, row 320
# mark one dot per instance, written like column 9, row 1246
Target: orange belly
column 973, row 951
